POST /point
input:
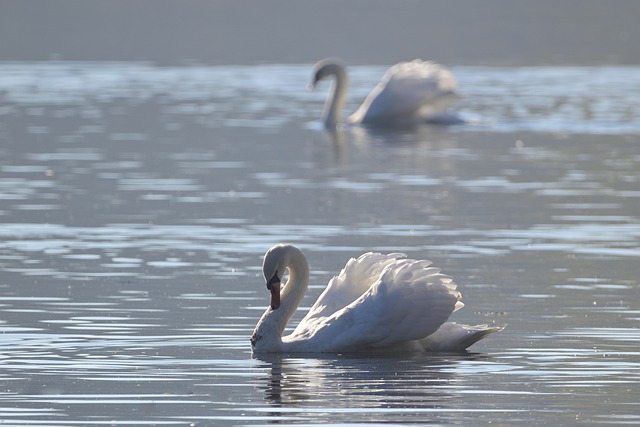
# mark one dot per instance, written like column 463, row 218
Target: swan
column 409, row 93
column 377, row 302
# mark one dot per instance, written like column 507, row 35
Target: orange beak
column 275, row 295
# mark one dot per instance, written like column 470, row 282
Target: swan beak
column 311, row 86
column 275, row 295
column 274, row 286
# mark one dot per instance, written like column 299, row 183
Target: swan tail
column 454, row 337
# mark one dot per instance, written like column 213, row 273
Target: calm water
column 137, row 201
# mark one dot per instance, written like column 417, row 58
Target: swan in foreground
column 377, row 302
column 409, row 93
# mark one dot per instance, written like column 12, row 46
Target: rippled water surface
column 136, row 202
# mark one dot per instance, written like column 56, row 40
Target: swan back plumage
column 358, row 275
column 378, row 301
column 409, row 92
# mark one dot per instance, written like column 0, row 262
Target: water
column 137, row 201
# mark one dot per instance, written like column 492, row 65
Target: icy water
column 136, row 203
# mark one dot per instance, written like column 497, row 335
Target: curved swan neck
column 267, row 335
column 334, row 105
column 335, row 102
column 296, row 286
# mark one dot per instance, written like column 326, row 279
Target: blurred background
column 456, row 32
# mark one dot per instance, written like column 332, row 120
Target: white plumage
column 377, row 302
column 409, row 93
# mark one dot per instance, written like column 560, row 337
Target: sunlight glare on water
column 138, row 200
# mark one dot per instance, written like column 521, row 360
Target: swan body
column 409, row 93
column 377, row 302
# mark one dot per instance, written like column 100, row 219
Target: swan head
column 276, row 261
column 326, row 68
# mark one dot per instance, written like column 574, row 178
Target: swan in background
column 377, row 302
column 409, row 93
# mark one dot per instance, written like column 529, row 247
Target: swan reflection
column 348, row 142
column 399, row 385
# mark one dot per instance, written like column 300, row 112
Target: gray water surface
column 136, row 203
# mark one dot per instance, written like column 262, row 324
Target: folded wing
column 378, row 301
column 407, row 91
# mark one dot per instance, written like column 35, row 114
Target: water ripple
column 541, row 99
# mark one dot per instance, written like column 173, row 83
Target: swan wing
column 356, row 278
column 408, row 90
column 410, row 300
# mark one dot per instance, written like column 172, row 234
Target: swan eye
column 274, row 279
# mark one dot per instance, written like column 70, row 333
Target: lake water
column 137, row 202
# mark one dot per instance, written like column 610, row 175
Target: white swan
column 377, row 302
column 409, row 93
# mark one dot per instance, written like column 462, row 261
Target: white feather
column 376, row 302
